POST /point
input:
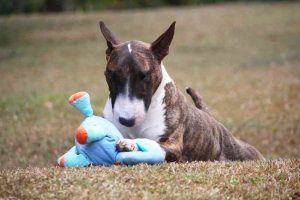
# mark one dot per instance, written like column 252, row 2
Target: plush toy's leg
column 138, row 157
column 73, row 159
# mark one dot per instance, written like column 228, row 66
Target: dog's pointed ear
column 160, row 47
column 111, row 40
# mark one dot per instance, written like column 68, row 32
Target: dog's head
column 133, row 73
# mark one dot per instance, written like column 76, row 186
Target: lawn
column 198, row 180
column 243, row 58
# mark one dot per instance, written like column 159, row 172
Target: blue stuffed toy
column 96, row 142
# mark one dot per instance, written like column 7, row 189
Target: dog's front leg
column 126, row 145
column 172, row 148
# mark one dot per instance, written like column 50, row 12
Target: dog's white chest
column 154, row 125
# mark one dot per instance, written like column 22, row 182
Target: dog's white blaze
column 127, row 87
column 153, row 124
column 129, row 47
column 129, row 108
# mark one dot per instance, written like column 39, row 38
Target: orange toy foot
column 62, row 161
column 76, row 96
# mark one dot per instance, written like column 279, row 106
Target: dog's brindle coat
column 145, row 103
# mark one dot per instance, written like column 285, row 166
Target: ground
column 243, row 58
column 198, row 180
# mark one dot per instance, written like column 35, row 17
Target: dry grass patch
column 277, row 179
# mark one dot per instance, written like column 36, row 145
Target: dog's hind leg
column 198, row 101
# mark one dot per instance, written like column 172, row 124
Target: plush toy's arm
column 149, row 152
column 73, row 159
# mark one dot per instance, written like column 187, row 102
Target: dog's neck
column 154, row 125
column 158, row 96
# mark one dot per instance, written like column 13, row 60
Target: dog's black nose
column 127, row 122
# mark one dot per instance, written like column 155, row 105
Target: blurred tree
column 6, row 6
column 88, row 5
column 29, row 6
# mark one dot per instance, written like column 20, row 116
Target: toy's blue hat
column 81, row 101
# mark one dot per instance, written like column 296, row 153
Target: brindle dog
column 144, row 102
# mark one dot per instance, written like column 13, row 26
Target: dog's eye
column 142, row 76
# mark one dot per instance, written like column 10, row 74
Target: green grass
column 243, row 58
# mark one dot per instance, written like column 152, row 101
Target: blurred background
column 31, row 6
column 242, row 56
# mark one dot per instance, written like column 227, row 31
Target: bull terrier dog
column 144, row 102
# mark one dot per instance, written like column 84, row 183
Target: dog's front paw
column 126, row 145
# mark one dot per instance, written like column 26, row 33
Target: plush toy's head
column 92, row 127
